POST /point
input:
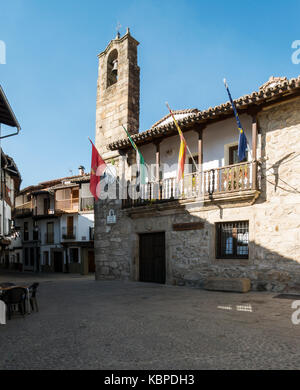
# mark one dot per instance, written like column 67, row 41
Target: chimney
column 81, row 170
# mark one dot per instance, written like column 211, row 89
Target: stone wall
column 113, row 243
column 274, row 222
column 117, row 104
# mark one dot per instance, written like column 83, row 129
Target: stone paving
column 84, row 324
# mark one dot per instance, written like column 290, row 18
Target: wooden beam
column 254, row 150
column 157, row 160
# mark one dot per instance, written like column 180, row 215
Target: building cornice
column 268, row 94
column 117, row 41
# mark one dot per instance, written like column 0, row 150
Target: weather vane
column 118, row 29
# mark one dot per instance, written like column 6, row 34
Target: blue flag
column 242, row 148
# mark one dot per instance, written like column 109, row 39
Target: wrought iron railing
column 68, row 233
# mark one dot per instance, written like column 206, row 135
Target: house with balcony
column 10, row 180
column 56, row 224
column 226, row 218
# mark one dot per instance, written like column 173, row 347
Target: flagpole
column 235, row 112
column 188, row 149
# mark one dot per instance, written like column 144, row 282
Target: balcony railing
column 23, row 209
column 68, row 234
column 67, row 205
column 227, row 179
column 41, row 212
column 230, row 178
column 87, row 204
column 49, row 238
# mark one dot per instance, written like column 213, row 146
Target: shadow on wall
column 195, row 257
column 191, row 255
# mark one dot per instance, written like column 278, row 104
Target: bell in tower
column 112, row 68
column 118, row 93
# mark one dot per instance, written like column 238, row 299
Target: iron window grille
column 233, row 240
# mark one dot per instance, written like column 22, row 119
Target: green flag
column 141, row 161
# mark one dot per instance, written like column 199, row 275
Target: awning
column 7, row 116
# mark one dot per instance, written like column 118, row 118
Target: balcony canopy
column 7, row 116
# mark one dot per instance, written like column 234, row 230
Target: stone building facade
column 118, row 92
column 242, row 220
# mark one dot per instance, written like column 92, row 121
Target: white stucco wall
column 85, row 221
column 215, row 137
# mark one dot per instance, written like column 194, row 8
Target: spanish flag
column 182, row 149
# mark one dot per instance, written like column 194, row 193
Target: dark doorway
column 91, row 259
column 7, row 261
column 152, row 258
column 58, row 261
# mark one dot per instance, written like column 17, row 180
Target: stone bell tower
column 118, row 93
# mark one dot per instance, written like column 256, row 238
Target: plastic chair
column 33, row 301
column 14, row 296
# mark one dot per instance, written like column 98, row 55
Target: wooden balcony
column 67, row 205
column 23, row 210
column 226, row 182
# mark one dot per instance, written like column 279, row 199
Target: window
column 92, row 233
column 50, row 233
column 74, row 258
column 70, row 227
column 26, row 231
column 233, row 155
column 46, row 205
column 232, row 240
column 192, row 167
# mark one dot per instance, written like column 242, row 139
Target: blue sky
column 186, row 48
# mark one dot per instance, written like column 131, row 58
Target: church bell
column 115, row 68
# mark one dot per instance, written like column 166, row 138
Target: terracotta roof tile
column 274, row 89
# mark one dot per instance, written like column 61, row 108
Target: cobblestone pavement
column 84, row 324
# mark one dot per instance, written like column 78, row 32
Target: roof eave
column 256, row 99
column 13, row 122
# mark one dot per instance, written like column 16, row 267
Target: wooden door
column 75, row 198
column 91, row 259
column 152, row 258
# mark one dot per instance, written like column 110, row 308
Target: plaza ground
column 84, row 324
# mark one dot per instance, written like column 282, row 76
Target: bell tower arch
column 118, row 93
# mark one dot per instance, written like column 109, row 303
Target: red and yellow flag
column 182, row 149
